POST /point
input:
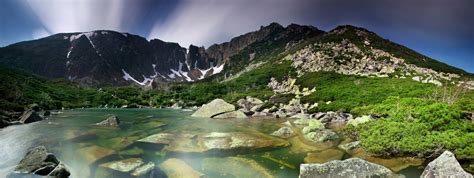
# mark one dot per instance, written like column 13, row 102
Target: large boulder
column 111, row 121
column 353, row 167
column 215, row 107
column 445, row 165
column 29, row 116
column 233, row 114
column 38, row 161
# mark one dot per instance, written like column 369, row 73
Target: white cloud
column 205, row 22
column 78, row 15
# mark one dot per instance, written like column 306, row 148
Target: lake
column 88, row 150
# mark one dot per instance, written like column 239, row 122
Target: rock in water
column 176, row 168
column 233, row 114
column 284, row 132
column 38, row 161
column 353, row 167
column 111, row 121
column 215, row 107
column 29, row 116
column 445, row 165
column 321, row 135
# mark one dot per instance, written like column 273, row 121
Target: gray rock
column 215, row 107
column 335, row 117
column 284, row 132
column 359, row 120
column 38, row 161
column 233, row 114
column 300, row 116
column 321, row 135
column 350, row 168
column 126, row 165
column 111, row 121
column 349, row 146
column 144, row 169
column 280, row 114
column 250, row 103
column 445, row 165
column 29, row 116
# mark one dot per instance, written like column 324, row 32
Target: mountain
column 104, row 57
column 108, row 57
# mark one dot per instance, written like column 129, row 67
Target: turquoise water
column 84, row 147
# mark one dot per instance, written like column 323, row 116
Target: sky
column 441, row 29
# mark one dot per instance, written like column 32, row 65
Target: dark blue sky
column 441, row 29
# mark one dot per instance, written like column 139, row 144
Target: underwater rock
column 233, row 114
column 284, row 132
column 235, row 166
column 144, row 169
column 161, row 138
column 353, row 167
column 215, row 107
column 29, row 116
column 126, row 165
column 323, row 156
column 176, row 168
column 38, row 161
column 222, row 141
column 445, row 165
column 111, row 121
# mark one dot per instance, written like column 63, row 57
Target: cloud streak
column 59, row 16
column 210, row 21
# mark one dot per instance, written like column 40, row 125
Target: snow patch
column 127, row 77
column 217, row 69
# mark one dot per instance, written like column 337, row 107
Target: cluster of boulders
column 348, row 58
column 15, row 118
column 445, row 165
column 39, row 162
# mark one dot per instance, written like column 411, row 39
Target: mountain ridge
column 117, row 58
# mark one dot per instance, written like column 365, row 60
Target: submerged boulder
column 177, row 168
column 445, row 165
column 126, row 165
column 214, row 141
column 111, row 121
column 29, row 116
column 353, row 167
column 235, row 167
column 215, row 107
column 38, row 161
column 233, row 114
